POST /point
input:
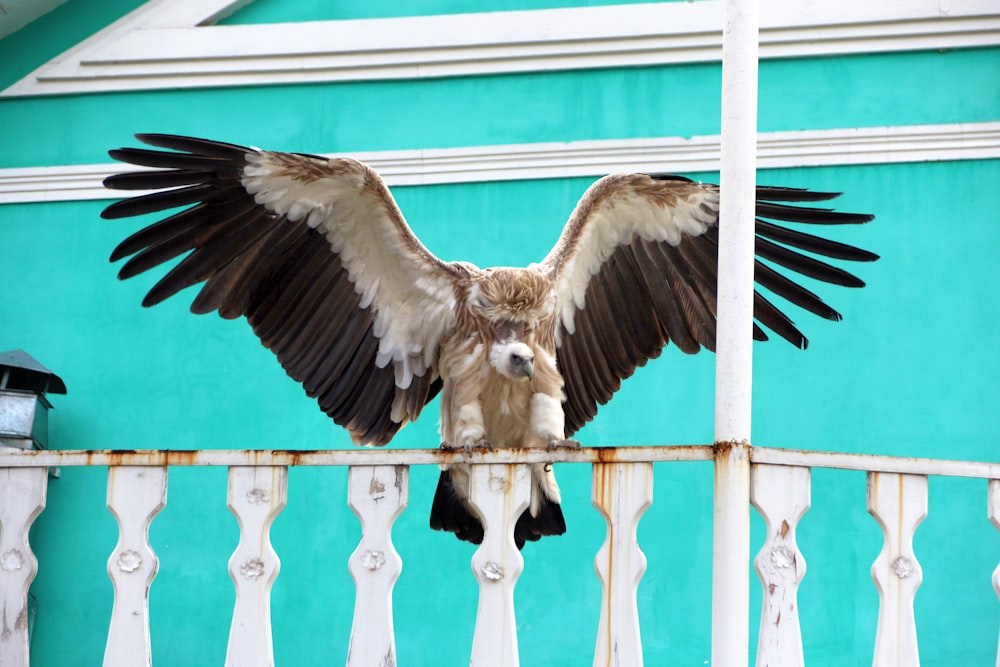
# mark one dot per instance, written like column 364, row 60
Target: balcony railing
column 377, row 493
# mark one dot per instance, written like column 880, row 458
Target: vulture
column 316, row 254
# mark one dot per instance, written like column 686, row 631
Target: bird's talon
column 565, row 443
column 481, row 445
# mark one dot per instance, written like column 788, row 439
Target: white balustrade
column 135, row 496
column 377, row 495
column 257, row 494
column 22, row 498
column 622, row 492
column 781, row 496
column 899, row 504
column 499, row 493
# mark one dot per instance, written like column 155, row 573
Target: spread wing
column 636, row 268
column 317, row 256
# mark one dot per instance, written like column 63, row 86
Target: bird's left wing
column 636, row 267
column 317, row 256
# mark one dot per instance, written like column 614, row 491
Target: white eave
column 172, row 44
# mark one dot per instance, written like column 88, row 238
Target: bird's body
column 314, row 252
column 502, row 389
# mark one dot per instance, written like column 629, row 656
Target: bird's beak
column 529, row 369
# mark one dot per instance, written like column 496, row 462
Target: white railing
column 377, row 493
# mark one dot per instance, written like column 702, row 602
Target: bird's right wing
column 315, row 253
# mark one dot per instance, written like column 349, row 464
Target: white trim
column 170, row 44
column 852, row 146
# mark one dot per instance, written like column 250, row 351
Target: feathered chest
column 506, row 406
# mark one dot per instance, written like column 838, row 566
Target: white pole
column 734, row 362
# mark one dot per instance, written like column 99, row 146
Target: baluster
column 135, row 496
column 622, row 492
column 499, row 493
column 899, row 504
column 377, row 495
column 994, row 514
column 781, row 496
column 257, row 494
column 22, row 499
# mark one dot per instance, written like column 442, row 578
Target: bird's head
column 515, row 361
column 511, row 300
column 510, row 305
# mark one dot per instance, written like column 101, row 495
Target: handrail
column 624, row 454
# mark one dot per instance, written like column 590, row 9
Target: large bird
column 316, row 254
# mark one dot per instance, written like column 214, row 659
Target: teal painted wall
column 562, row 106
column 910, row 371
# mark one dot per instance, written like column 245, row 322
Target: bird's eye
column 483, row 302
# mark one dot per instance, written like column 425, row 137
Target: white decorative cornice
column 172, row 44
column 856, row 146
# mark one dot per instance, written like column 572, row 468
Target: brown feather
column 807, row 266
column 607, row 333
column 668, row 309
column 211, row 257
column 275, row 315
column 225, row 291
column 349, row 375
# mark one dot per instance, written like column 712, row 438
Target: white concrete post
column 499, row 493
column 257, row 494
column 899, row 504
column 781, row 495
column 377, row 495
column 135, row 496
column 994, row 514
column 22, row 499
column 622, row 492
column 731, row 532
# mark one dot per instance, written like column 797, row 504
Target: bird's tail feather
column 548, row 520
column 450, row 513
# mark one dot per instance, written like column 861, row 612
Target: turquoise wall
column 681, row 100
column 910, row 371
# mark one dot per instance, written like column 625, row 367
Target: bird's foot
column 565, row 443
column 480, row 445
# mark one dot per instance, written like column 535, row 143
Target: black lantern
column 24, row 409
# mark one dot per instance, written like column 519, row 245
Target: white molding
column 811, row 148
column 171, row 44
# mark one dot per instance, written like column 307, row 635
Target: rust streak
column 606, row 454
column 399, row 471
column 724, row 448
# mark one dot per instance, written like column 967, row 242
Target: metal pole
column 734, row 361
